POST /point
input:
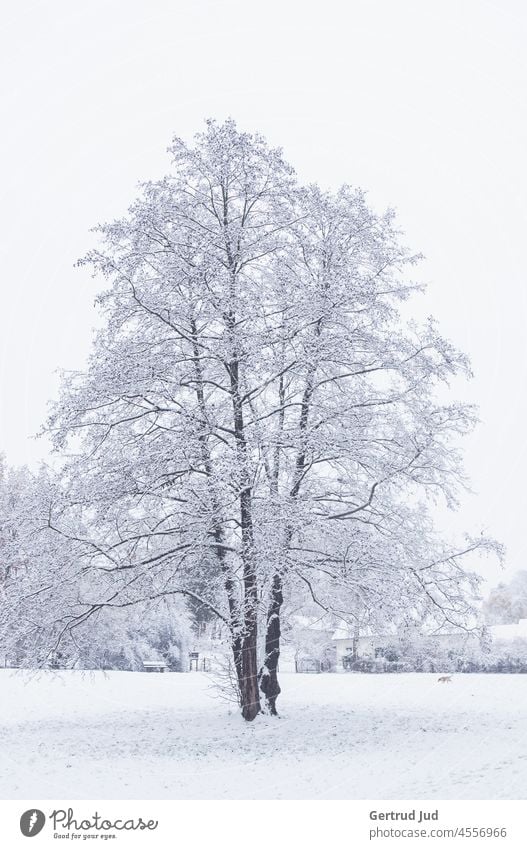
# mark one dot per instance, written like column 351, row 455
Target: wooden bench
column 155, row 666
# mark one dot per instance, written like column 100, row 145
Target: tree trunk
column 236, row 640
column 230, row 589
column 250, row 692
column 268, row 675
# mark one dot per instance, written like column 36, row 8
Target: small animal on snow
column 445, row 679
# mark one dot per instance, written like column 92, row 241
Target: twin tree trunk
column 245, row 651
column 268, row 674
column 250, row 680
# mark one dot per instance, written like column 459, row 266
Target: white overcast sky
column 420, row 102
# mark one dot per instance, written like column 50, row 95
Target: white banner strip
column 264, row 824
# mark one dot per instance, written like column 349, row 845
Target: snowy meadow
column 127, row 735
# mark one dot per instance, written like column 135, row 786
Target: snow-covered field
column 132, row 735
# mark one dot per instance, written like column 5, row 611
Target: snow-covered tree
column 257, row 415
column 42, row 614
column 34, row 563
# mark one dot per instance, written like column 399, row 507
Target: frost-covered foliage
column 468, row 653
column 507, row 603
column 124, row 639
column 41, row 588
column 257, row 417
column 39, row 569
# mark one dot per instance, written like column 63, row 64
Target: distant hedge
column 506, row 665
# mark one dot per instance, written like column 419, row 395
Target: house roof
column 344, row 632
column 513, row 631
column 516, row 630
column 312, row 623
